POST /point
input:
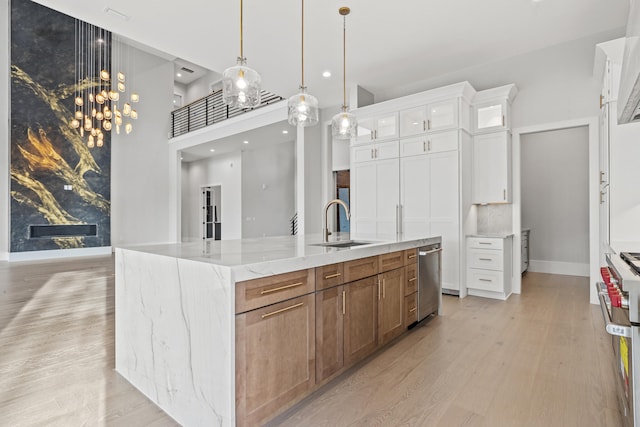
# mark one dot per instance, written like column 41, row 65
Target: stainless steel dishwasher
column 429, row 280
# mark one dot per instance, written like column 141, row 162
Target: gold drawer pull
column 413, row 279
column 486, row 280
column 412, row 256
column 485, row 259
column 413, row 309
column 264, row 316
column 281, row 288
column 332, row 276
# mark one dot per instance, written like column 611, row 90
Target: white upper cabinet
column 433, row 117
column 375, row 151
column 491, row 109
column 490, row 116
column 377, row 128
column 492, row 168
column 431, row 143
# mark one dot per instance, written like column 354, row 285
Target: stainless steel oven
column 619, row 294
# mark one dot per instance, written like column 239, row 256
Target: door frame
column 594, row 212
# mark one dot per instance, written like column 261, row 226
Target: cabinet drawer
column 391, row 261
column 252, row 294
column 413, row 146
column 411, row 309
column 410, row 256
column 411, row 279
column 329, row 275
column 360, row 268
column 485, row 258
column 485, row 243
column 485, row 280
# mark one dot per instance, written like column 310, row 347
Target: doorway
column 554, row 173
column 211, row 212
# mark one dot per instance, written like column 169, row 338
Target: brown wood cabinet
column 330, row 311
column 410, row 256
column 329, row 275
column 391, row 261
column 391, row 305
column 410, row 279
column 410, row 309
column 360, row 268
column 275, row 358
column 360, row 319
column 252, row 294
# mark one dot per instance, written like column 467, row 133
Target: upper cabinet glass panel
column 490, row 116
column 443, row 115
column 413, row 122
column 387, row 127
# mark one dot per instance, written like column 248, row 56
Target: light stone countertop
column 259, row 257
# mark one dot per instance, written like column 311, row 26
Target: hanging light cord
column 344, row 61
column 302, row 52
column 241, row 50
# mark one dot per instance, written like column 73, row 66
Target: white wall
column 200, row 88
column 5, row 53
column 555, row 199
column 313, row 200
column 554, row 83
column 224, row 170
column 268, row 201
column 140, row 184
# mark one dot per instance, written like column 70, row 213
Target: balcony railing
column 209, row 110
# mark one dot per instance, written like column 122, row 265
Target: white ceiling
column 389, row 43
column 392, row 46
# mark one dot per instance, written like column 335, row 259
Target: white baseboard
column 559, row 267
column 58, row 254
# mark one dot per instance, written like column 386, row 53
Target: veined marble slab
column 175, row 314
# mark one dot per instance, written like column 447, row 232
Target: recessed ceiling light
column 178, row 74
column 326, row 74
column 212, row 150
column 285, row 131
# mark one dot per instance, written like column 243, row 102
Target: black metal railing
column 293, row 224
column 209, row 110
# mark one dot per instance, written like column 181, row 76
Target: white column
column 300, row 178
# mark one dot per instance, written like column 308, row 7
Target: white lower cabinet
column 489, row 266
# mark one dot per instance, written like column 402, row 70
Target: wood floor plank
column 541, row 358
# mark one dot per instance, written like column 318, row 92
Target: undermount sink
column 342, row 244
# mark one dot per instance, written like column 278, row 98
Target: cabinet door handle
column 384, row 288
column 602, row 194
column 424, row 125
column 601, row 100
column 412, row 256
column 424, row 146
column 282, row 310
column 344, row 302
column 429, row 145
column 602, row 177
column 503, row 120
column 372, row 135
column 332, row 276
column 378, row 289
column 372, row 154
column 485, row 243
column 485, row 280
column 504, row 194
column 375, row 134
column 413, row 279
column 281, row 288
column 429, row 124
column 397, row 219
column 485, row 259
column 413, row 309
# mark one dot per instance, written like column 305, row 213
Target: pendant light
column 303, row 108
column 241, row 84
column 343, row 124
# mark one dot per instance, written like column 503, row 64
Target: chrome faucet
column 325, row 230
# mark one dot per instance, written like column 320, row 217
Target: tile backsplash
column 495, row 219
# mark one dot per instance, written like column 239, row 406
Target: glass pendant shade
column 78, row 115
column 343, row 125
column 75, row 123
column 79, row 101
column 106, row 125
column 303, row 109
column 135, row 97
column 241, row 86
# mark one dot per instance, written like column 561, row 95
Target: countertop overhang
column 254, row 258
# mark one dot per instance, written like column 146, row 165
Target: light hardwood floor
column 539, row 359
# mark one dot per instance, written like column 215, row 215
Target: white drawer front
column 445, row 141
column 485, row 243
column 485, row 280
column 413, row 146
column 485, row 258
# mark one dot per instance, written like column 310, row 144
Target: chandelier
column 101, row 101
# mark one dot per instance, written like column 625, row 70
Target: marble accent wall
column 495, row 219
column 55, row 178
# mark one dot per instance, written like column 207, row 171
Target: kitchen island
column 188, row 330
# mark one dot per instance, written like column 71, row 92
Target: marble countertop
column 253, row 258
